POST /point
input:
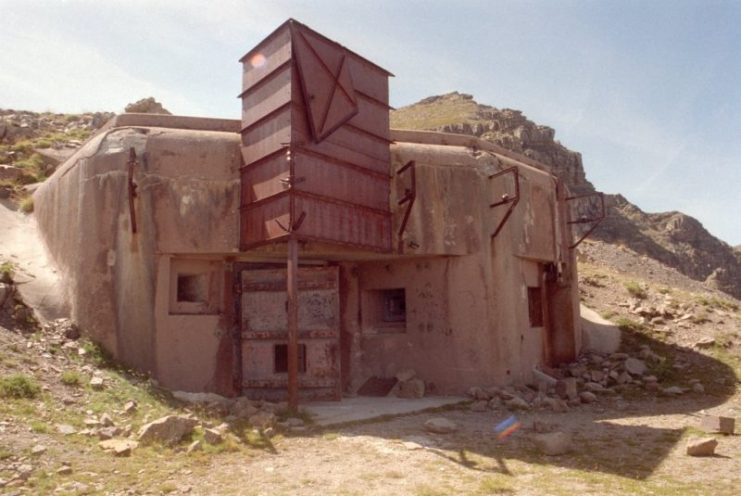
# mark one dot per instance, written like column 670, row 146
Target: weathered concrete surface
column 599, row 334
column 38, row 280
column 327, row 413
column 187, row 203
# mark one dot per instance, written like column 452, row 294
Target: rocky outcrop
column 146, row 106
column 673, row 238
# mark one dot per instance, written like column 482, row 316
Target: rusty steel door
column 265, row 333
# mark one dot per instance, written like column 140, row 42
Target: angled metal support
column 585, row 220
column 132, row 188
column 410, row 194
column 506, row 199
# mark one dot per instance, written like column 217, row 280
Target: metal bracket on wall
column 585, row 220
column 506, row 199
column 132, row 188
column 294, row 225
column 410, row 194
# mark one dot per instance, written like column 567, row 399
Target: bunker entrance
column 264, row 328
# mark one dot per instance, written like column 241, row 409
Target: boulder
column 119, row 447
column 212, row 436
column 440, row 425
column 262, row 420
column 635, row 366
column 167, row 430
column 701, row 446
column 588, row 397
column 714, row 423
column 517, row 403
column 413, row 388
column 243, row 408
column 553, row 443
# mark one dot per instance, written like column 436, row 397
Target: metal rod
column 292, row 293
column 597, row 220
column 132, row 189
column 409, row 196
column 512, row 201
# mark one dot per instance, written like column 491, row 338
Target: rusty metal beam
column 596, row 220
column 410, row 194
column 506, row 199
column 292, row 293
column 132, row 188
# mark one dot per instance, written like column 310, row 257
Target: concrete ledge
column 598, row 334
column 331, row 413
column 174, row 122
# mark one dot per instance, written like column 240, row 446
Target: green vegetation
column 7, row 269
column 719, row 303
column 26, row 204
column 628, row 325
column 18, row 386
column 635, row 289
column 71, row 377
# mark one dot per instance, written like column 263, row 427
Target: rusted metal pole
column 292, row 292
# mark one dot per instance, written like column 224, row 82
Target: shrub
column 635, row 289
column 7, row 269
column 26, row 204
column 71, row 378
column 18, row 386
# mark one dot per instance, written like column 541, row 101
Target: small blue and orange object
column 506, row 427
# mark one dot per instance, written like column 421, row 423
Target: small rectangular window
column 192, row 288
column 535, row 306
column 281, row 358
column 394, row 305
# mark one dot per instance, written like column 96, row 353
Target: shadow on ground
column 608, row 437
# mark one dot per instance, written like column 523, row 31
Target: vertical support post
column 292, row 292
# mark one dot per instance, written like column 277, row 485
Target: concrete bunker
column 186, row 243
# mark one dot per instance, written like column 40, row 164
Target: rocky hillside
column 33, row 144
column 673, row 238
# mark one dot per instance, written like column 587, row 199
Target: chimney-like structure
column 315, row 143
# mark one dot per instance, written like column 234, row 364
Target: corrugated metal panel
column 328, row 106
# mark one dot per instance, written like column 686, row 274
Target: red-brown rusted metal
column 506, row 199
column 132, row 188
column 410, row 194
column 292, row 309
column 311, row 99
column 585, row 220
column 265, row 324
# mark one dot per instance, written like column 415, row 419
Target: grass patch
column 71, row 378
column 635, row 289
column 493, row 485
column 26, row 204
column 628, row 325
column 39, row 427
column 18, row 386
column 719, row 303
column 7, row 270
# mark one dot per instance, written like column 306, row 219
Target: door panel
column 264, row 327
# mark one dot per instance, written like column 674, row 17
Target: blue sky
column 648, row 91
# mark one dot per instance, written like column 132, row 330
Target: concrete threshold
column 360, row 408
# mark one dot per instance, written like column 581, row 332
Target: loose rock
column 553, row 443
column 701, row 446
column 440, row 425
column 168, row 430
column 119, row 447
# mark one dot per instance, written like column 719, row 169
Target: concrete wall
column 467, row 315
column 187, row 203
